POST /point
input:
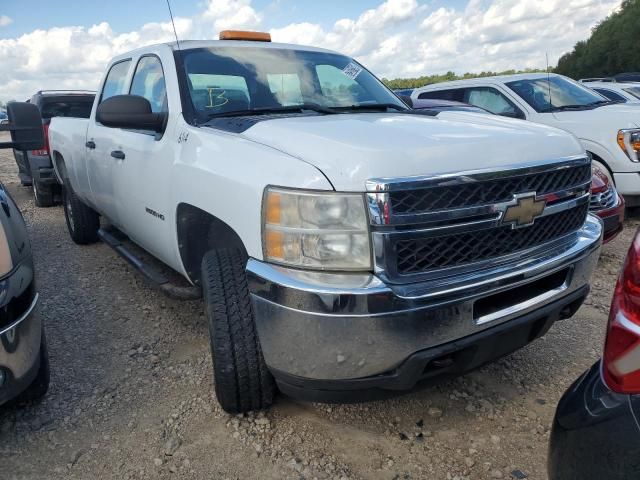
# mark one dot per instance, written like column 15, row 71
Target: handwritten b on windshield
column 216, row 97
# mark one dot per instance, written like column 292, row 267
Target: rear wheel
column 42, row 194
column 242, row 380
column 82, row 221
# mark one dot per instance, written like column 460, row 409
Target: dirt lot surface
column 131, row 394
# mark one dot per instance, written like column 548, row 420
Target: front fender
column 225, row 175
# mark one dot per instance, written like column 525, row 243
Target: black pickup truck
column 35, row 168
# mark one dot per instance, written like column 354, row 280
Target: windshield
column 556, row 93
column 635, row 91
column 225, row 80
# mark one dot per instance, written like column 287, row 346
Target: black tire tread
column 86, row 221
column 242, row 380
column 45, row 195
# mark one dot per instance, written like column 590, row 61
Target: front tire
column 242, row 380
column 82, row 221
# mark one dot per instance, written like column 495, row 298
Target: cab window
column 148, row 82
column 492, row 100
column 611, row 95
column 115, row 82
column 453, row 94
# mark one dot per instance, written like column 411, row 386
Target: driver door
column 141, row 178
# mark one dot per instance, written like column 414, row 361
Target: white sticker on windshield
column 352, row 70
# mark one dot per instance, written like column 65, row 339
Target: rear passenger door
column 100, row 143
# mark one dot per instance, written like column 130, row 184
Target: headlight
column 629, row 141
column 319, row 230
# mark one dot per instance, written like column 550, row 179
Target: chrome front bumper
column 326, row 326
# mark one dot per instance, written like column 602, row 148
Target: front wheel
column 82, row 221
column 242, row 380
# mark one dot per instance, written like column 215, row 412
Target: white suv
column 608, row 131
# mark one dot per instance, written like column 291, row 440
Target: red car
column 607, row 203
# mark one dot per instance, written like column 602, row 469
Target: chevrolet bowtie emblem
column 524, row 211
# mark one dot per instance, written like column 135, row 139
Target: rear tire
column 40, row 385
column 82, row 221
column 242, row 379
column 42, row 194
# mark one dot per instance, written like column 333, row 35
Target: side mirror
column 25, row 125
column 130, row 111
column 406, row 99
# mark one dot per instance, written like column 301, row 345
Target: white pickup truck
column 609, row 131
column 346, row 247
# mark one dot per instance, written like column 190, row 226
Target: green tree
column 612, row 47
column 401, row 83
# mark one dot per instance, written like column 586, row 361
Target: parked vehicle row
column 609, row 131
column 331, row 267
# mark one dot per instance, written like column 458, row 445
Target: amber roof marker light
column 244, row 35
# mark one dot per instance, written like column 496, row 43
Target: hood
column 609, row 118
column 352, row 148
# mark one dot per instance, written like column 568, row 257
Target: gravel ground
column 131, row 395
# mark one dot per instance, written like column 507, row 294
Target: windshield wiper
column 268, row 110
column 372, row 106
column 601, row 103
column 572, row 107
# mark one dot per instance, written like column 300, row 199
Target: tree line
column 612, row 48
column 401, row 83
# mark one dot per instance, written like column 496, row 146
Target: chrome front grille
column 433, row 227
column 603, row 200
column 488, row 191
column 422, row 254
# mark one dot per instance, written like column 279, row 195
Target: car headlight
column 629, row 141
column 318, row 230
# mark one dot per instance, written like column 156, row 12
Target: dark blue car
column 595, row 433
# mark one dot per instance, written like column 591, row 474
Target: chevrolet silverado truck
column 346, row 246
column 609, row 131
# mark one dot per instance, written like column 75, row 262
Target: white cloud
column 4, row 20
column 396, row 38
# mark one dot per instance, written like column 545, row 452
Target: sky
column 50, row 45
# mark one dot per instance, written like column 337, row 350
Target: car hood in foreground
column 352, row 148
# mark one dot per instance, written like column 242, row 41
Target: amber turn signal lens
column 244, row 35
column 274, row 244
column 274, row 208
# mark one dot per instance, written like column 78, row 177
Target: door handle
column 119, row 154
column 90, row 144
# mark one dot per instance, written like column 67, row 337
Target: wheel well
column 61, row 168
column 600, row 160
column 199, row 232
